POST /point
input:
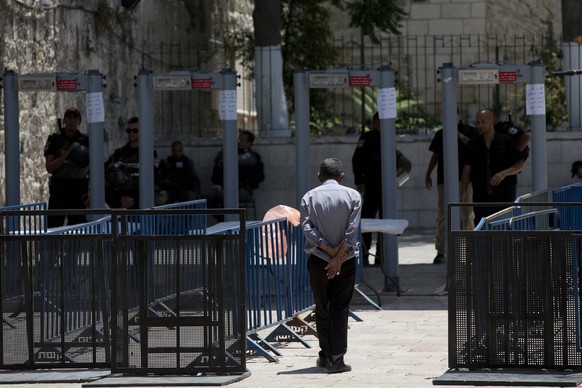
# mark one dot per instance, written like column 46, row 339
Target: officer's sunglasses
column 134, row 130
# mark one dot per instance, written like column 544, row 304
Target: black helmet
column 80, row 156
column 118, row 176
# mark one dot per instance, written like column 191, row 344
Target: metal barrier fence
column 571, row 218
column 190, row 315
column 143, row 263
column 512, row 299
column 61, row 308
column 514, row 286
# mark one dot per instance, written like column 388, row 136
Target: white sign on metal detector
column 478, row 76
column 328, row 80
column 171, row 82
column 37, row 82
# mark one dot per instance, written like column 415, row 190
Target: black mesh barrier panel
column 55, row 302
column 512, row 300
column 178, row 305
column 124, row 295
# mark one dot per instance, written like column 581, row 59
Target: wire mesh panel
column 59, row 318
column 189, row 316
column 511, row 301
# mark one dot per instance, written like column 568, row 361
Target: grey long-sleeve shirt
column 330, row 214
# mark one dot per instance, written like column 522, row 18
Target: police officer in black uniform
column 122, row 171
column 67, row 160
column 178, row 175
column 367, row 163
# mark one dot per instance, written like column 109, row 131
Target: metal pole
column 12, row 142
column 146, row 140
column 302, row 146
column 96, row 152
column 389, row 184
column 450, row 144
column 230, row 150
column 539, row 157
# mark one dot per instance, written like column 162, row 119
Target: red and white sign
column 66, row 84
column 507, row 77
column 360, row 80
column 203, row 83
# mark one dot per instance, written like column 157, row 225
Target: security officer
column 122, row 171
column 67, row 160
column 367, row 163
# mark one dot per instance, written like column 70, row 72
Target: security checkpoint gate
column 487, row 74
column 383, row 78
column 90, row 82
column 508, row 297
column 226, row 82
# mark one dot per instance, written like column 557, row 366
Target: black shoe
column 439, row 259
column 338, row 367
column 320, row 362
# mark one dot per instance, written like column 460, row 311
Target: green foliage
column 307, row 43
column 555, row 93
column 409, row 106
column 556, row 103
column 372, row 15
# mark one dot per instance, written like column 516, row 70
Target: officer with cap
column 67, row 161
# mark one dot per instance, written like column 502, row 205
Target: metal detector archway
column 226, row 82
column 90, row 82
column 383, row 78
column 534, row 75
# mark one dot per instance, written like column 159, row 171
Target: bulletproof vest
column 69, row 169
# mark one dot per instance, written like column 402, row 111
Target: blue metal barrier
column 570, row 217
column 174, row 224
column 26, row 222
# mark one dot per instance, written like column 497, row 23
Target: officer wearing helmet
column 67, row 161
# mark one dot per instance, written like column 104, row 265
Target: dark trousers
column 67, row 194
column 371, row 206
column 332, row 302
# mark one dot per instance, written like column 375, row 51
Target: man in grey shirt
column 330, row 220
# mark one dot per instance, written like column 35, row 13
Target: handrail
column 534, row 214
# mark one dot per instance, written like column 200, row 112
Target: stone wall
column 76, row 36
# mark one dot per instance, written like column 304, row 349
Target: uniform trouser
column 332, row 302
column 67, row 194
column 507, row 195
column 371, row 206
column 467, row 217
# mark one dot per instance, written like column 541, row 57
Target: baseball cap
column 575, row 167
column 72, row 111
